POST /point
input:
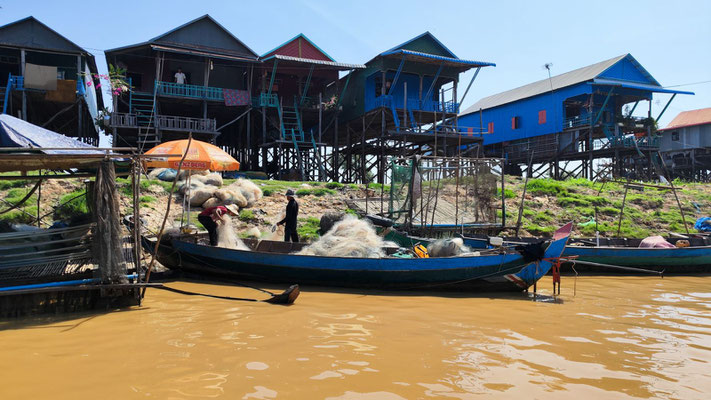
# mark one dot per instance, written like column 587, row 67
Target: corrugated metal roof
column 690, row 118
column 440, row 59
column 317, row 62
column 642, row 86
column 543, row 86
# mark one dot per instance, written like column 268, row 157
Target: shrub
column 334, row 185
column 321, row 191
column 267, row 192
column 304, row 192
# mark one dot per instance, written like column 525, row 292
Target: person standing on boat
column 209, row 218
column 289, row 221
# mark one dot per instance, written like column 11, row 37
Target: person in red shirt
column 210, row 217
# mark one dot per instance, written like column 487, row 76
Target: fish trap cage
column 446, row 194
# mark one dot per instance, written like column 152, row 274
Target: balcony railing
column 124, row 120
column 186, row 124
column 266, row 100
column 576, row 121
column 189, row 91
column 419, row 105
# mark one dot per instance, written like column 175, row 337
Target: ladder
column 141, row 104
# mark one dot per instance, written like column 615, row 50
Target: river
column 604, row 337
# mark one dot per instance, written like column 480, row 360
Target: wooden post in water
column 622, row 209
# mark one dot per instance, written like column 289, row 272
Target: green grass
column 572, row 201
column 13, row 184
column 308, row 229
column 334, row 185
column 75, row 205
column 508, row 193
column 316, row 192
column 246, row 215
column 353, row 186
column 548, row 187
column 147, row 199
column 267, row 192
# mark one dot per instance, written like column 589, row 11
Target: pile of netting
column 349, row 237
column 227, row 237
column 447, row 248
column 206, row 189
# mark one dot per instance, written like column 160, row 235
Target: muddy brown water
column 616, row 338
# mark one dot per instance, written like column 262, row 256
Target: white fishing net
column 349, row 237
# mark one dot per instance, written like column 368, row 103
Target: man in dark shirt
column 289, row 221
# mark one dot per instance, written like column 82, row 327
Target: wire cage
column 446, row 193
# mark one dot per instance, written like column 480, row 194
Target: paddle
column 285, row 298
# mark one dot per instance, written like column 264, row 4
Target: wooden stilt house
column 195, row 78
column 42, row 80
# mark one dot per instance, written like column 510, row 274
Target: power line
column 688, row 84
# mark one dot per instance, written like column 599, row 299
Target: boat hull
column 497, row 272
column 677, row 260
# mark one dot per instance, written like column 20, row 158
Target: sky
column 671, row 39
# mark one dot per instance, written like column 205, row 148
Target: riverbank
column 547, row 205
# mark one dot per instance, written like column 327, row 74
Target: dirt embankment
column 548, row 204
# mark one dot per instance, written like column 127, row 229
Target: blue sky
column 672, row 40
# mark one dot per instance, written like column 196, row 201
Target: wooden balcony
column 123, row 120
column 186, row 91
column 186, row 124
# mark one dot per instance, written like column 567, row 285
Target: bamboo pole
column 165, row 217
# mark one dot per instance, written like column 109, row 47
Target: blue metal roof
column 641, row 86
column 445, row 60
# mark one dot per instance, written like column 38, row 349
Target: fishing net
column 108, row 241
column 349, row 237
column 226, row 236
column 444, row 191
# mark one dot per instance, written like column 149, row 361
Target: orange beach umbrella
column 201, row 156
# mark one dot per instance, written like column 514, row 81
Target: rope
column 24, row 199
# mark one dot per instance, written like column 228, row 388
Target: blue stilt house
column 584, row 115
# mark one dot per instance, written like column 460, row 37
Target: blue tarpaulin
column 703, row 224
column 15, row 132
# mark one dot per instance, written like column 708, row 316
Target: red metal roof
column 690, row 118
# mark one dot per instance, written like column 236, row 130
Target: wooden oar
column 285, row 298
column 631, row 269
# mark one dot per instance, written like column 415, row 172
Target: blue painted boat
column 626, row 253
column 498, row 270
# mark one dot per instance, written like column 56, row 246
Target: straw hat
column 233, row 208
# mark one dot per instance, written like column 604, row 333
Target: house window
column 675, row 136
column 515, row 122
column 491, row 127
column 541, row 117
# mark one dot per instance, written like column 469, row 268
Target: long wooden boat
column 626, row 253
column 495, row 270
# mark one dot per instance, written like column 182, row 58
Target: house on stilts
column 43, row 79
column 218, row 70
column 405, row 102
column 577, row 124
